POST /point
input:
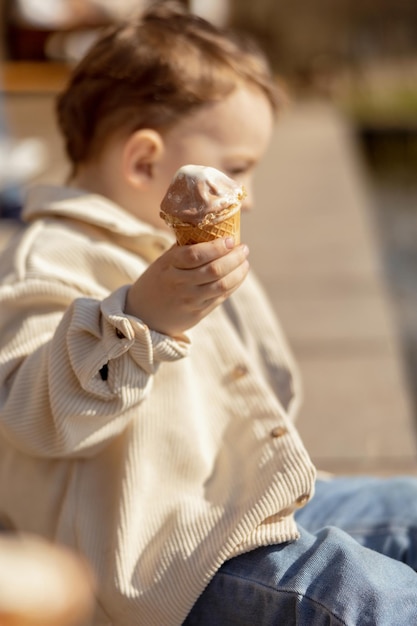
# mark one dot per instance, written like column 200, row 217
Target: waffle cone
column 187, row 234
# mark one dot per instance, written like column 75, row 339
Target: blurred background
column 333, row 235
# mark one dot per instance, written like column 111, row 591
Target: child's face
column 231, row 136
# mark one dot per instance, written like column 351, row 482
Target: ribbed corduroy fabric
column 182, row 456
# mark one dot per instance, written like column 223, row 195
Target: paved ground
column 314, row 245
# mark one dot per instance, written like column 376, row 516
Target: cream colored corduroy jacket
column 156, row 458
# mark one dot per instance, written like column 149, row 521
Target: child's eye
column 240, row 169
column 237, row 171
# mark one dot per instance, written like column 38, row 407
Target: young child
column 147, row 392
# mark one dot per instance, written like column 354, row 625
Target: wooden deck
column 25, row 77
column 314, row 246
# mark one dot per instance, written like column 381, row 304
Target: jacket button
column 278, row 431
column 302, row 500
column 239, row 371
column 159, row 246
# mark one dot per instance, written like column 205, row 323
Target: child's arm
column 73, row 369
column 186, row 283
column 55, row 347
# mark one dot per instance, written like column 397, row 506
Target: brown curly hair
column 149, row 72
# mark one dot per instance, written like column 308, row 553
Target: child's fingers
column 211, row 267
column 224, row 287
column 220, row 268
column 199, row 254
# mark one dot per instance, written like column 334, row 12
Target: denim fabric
column 353, row 564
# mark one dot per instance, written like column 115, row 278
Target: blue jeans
column 354, row 564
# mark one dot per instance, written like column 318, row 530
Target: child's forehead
column 241, row 125
column 245, row 111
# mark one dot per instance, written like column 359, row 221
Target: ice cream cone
column 202, row 204
column 187, row 234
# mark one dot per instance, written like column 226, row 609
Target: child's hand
column 187, row 282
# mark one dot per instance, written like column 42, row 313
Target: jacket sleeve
column 54, row 399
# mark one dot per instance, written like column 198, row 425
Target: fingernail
column 245, row 249
column 229, row 242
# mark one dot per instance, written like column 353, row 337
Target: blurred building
column 299, row 34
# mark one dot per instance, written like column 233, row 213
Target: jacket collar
column 45, row 201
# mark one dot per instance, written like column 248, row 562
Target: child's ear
column 142, row 151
